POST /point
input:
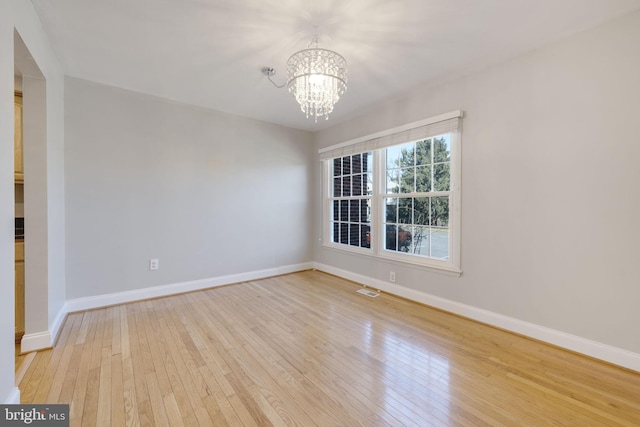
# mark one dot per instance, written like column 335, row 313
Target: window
column 416, row 204
column 351, row 193
column 397, row 194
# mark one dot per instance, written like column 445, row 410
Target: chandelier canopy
column 317, row 78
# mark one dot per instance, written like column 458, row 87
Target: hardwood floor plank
column 84, row 327
column 216, row 413
column 23, row 367
column 129, row 394
column 145, row 413
column 157, row 349
column 306, row 349
column 65, row 348
column 104, row 387
column 124, row 333
column 92, row 389
column 33, row 376
column 116, row 331
column 190, row 365
column 117, row 387
column 71, row 374
column 157, row 402
column 173, row 412
column 189, row 403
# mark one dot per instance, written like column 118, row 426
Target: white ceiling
column 209, row 53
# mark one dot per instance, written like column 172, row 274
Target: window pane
column 346, row 186
column 404, row 239
column 407, row 155
column 337, row 167
column 367, row 162
column 344, row 233
column 407, row 180
column 369, row 183
column 336, row 210
column 354, row 234
column 423, row 179
column 442, row 149
column 344, row 210
column 354, row 211
column 365, row 235
column 346, row 165
column 421, row 240
column 356, row 163
column 391, row 211
column 440, row 211
column 365, row 210
column 356, row 185
column 441, row 177
column 337, row 187
column 421, row 210
column 405, row 211
column 423, row 152
column 393, row 156
column 440, row 243
column 393, row 184
column 391, row 242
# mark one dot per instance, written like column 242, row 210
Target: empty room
column 364, row 213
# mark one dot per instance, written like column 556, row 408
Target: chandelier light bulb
column 317, row 79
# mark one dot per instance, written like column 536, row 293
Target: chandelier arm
column 269, row 71
column 275, row 84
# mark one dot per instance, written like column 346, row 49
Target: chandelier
column 317, row 78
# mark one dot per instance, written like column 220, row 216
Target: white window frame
column 451, row 265
column 329, row 198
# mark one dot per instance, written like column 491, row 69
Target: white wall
column 550, row 229
column 34, row 59
column 206, row 193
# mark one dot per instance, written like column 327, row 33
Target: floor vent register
column 367, row 292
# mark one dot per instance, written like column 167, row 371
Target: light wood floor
column 305, row 349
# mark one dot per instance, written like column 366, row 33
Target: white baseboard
column 607, row 353
column 35, row 341
column 56, row 326
column 45, row 339
column 98, row 301
column 13, row 398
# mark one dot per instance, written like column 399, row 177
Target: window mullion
column 377, row 216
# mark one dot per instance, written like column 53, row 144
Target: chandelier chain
column 314, row 40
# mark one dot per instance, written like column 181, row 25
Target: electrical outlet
column 392, row 277
column 154, row 264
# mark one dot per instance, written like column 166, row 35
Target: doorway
column 31, row 200
column 18, row 186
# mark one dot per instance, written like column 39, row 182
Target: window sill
column 426, row 265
